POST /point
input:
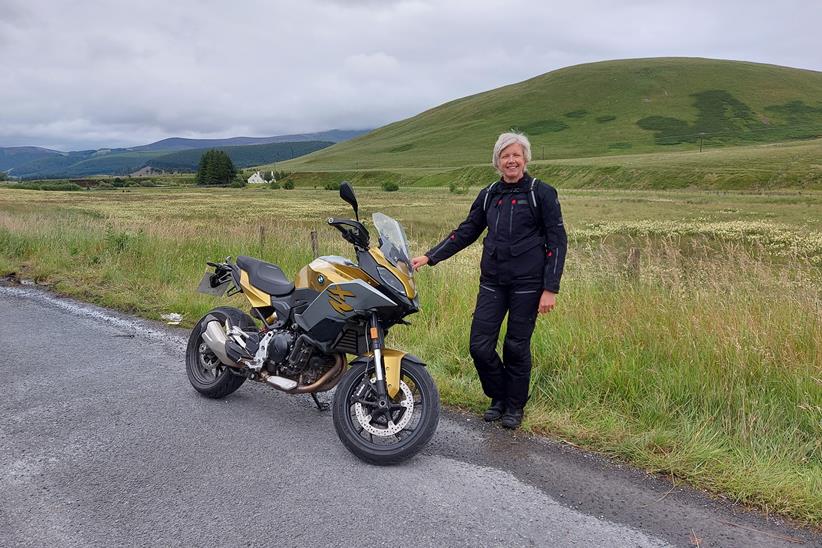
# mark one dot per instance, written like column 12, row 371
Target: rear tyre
column 385, row 439
column 206, row 373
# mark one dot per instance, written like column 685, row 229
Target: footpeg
column 281, row 382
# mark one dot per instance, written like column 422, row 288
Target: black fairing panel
column 342, row 302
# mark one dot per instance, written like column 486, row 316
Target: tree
column 216, row 168
column 3, row 176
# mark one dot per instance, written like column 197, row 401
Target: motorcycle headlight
column 391, row 281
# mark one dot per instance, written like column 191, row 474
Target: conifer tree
column 216, row 168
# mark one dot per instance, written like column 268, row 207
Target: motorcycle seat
column 266, row 276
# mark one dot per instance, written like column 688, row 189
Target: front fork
column 377, row 338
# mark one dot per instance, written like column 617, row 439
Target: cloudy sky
column 95, row 73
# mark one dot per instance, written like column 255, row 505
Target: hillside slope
column 241, row 156
column 180, row 143
column 612, row 107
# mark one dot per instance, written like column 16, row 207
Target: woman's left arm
column 556, row 242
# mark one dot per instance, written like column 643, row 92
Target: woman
column 522, row 260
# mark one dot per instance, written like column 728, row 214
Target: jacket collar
column 524, row 182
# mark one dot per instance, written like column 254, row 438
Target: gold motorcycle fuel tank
column 330, row 269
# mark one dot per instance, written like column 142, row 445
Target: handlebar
column 353, row 231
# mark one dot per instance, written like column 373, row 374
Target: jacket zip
column 511, row 222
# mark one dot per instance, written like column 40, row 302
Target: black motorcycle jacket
column 524, row 242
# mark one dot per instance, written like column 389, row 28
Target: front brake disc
column 392, row 428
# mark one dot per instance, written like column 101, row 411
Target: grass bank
column 701, row 359
column 756, row 167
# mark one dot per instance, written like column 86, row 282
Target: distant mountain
column 84, row 163
column 179, row 143
column 12, row 157
column 241, row 156
column 174, row 154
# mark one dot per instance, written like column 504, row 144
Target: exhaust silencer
column 215, row 339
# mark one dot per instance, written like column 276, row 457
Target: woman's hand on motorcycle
column 419, row 262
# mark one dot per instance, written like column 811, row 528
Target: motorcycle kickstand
column 322, row 406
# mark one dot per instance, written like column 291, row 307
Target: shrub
column 288, row 185
column 389, row 186
column 576, row 113
column 332, row 186
column 274, row 185
column 543, row 126
column 457, row 188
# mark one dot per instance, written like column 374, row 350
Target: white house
column 257, row 179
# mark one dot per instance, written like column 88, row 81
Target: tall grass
column 702, row 358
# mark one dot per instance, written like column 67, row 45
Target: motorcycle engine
column 279, row 348
column 302, row 362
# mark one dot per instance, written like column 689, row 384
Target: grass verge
column 702, row 358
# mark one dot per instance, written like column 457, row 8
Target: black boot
column 512, row 417
column 494, row 412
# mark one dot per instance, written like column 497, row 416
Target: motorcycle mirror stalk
column 347, row 194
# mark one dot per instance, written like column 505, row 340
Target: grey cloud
column 126, row 73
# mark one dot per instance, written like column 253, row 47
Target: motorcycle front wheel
column 393, row 436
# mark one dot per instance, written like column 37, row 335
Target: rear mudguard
column 393, row 360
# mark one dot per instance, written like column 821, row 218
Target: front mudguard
column 393, row 360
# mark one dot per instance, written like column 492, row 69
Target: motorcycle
column 297, row 337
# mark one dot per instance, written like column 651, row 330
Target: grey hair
column 507, row 139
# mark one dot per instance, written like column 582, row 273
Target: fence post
column 262, row 239
column 315, row 246
column 633, row 262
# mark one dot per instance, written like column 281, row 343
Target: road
column 103, row 442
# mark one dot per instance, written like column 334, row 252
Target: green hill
column 242, row 156
column 124, row 161
column 608, row 108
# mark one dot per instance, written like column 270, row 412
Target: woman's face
column 512, row 163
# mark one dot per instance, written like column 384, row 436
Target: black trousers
column 507, row 378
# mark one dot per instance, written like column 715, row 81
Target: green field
column 701, row 358
column 608, row 108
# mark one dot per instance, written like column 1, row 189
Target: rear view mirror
column 347, row 194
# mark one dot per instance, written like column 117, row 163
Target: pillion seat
column 266, row 276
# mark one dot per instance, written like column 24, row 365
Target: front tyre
column 390, row 437
column 206, row 373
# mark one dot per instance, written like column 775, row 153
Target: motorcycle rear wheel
column 372, row 440
column 206, row 373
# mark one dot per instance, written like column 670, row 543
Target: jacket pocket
column 488, row 265
column 526, row 244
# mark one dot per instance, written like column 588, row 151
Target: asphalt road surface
column 104, row 443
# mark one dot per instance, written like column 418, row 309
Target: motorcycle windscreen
column 211, row 285
column 327, row 315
